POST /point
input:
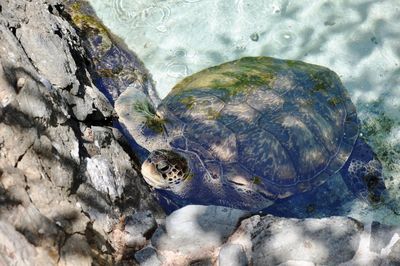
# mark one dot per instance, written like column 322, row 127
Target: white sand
column 358, row 39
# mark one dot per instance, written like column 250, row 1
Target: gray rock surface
column 16, row 250
column 76, row 252
column 137, row 227
column 147, row 257
column 277, row 240
column 232, row 254
column 66, row 183
column 297, row 263
column 194, row 232
column 394, row 255
column 382, row 235
column 210, row 235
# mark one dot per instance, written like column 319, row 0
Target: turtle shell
column 284, row 126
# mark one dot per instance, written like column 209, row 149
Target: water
column 359, row 40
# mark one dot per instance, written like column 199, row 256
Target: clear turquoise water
column 359, row 40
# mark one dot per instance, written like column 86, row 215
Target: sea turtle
column 248, row 132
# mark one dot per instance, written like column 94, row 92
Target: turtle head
column 165, row 169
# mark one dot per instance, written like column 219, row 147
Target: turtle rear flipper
column 139, row 118
column 362, row 173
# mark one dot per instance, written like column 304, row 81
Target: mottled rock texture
column 210, row 235
column 67, row 185
column 195, row 232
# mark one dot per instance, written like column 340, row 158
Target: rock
column 382, row 235
column 16, row 250
column 51, row 200
column 147, row 257
column 109, row 168
column 41, row 36
column 7, row 92
column 76, row 252
column 132, row 233
column 385, row 241
column 114, row 73
column 243, row 234
column 56, row 143
column 203, row 262
column 232, row 254
column 195, row 231
column 394, row 255
column 139, row 227
column 93, row 105
column 37, row 229
column 297, row 263
column 371, row 259
column 98, row 209
column 278, row 240
column 100, row 102
column 101, row 177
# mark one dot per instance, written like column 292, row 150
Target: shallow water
column 359, row 40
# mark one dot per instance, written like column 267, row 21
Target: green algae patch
column 257, row 180
column 212, row 114
column 242, row 76
column 189, row 176
column 308, row 102
column 111, row 72
column 90, row 23
column 188, row 101
column 110, row 57
column 322, row 82
column 152, row 120
column 232, row 78
column 334, row 101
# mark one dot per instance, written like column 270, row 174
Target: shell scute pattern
column 305, row 153
column 216, row 138
column 195, row 105
column 263, row 154
column 238, row 117
column 246, row 116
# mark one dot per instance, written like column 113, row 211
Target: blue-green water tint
column 357, row 39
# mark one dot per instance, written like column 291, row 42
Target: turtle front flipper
column 362, row 173
column 140, row 119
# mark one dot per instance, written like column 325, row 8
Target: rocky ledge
column 211, row 235
column 70, row 190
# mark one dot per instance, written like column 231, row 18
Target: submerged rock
column 116, row 67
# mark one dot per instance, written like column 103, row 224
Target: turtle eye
column 163, row 166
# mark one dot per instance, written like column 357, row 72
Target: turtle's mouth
column 152, row 176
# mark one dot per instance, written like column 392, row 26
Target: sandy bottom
column 358, row 39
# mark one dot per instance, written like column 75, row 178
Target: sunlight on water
column 359, row 40
column 175, row 38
